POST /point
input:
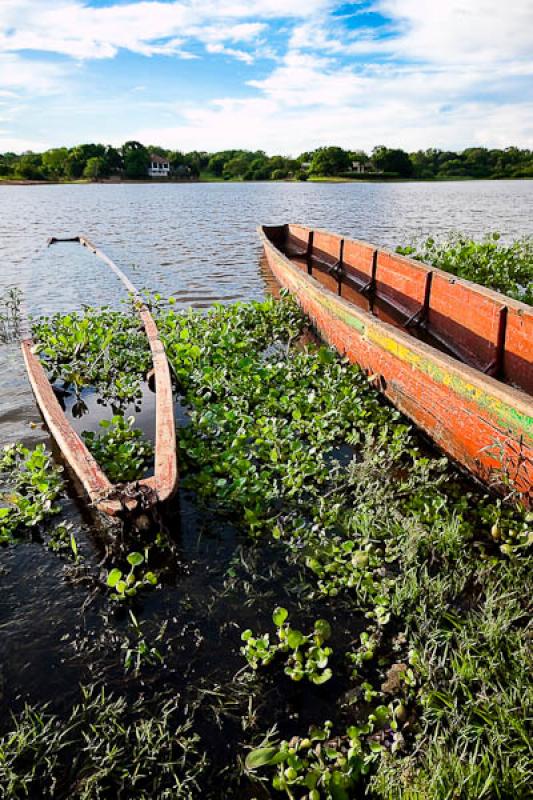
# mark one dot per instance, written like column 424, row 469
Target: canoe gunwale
column 475, row 376
column 113, row 499
column 411, row 363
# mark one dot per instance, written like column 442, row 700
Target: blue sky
column 279, row 75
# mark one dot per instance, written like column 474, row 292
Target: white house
column 159, row 167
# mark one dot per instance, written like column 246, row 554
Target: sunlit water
column 199, row 243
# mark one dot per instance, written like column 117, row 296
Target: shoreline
column 318, row 179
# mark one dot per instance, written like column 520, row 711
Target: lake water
column 198, row 242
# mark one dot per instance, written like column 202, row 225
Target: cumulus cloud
column 74, row 28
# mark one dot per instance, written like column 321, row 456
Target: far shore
column 315, row 179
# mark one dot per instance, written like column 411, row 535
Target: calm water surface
column 199, row 243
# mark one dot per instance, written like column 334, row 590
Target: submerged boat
column 107, row 497
column 453, row 356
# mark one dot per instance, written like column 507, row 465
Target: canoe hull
column 480, row 423
column 110, row 499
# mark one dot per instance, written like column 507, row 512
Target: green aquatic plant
column 305, row 655
column 99, row 348
column 122, row 451
column 126, row 585
column 507, row 268
column 137, row 651
column 63, row 541
column 32, row 484
column 296, row 443
column 107, row 746
column 320, row 766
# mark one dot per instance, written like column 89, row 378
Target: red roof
column 158, row 160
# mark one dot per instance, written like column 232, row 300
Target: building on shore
column 159, row 167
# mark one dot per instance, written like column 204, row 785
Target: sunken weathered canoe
column 106, row 497
column 453, row 356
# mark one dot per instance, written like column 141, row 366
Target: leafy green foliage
column 132, row 159
column 126, row 585
column 33, row 485
column 307, row 657
column 105, row 349
column 507, row 268
column 297, row 444
column 122, row 451
column 137, row 650
column 319, row 766
column 63, row 541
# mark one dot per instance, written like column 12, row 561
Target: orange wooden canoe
column 453, row 356
column 105, row 496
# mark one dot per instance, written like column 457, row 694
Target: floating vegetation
column 320, row 766
column 31, row 485
column 407, row 676
column 305, row 655
column 121, row 450
column 137, row 650
column 507, row 268
column 100, row 348
column 127, row 585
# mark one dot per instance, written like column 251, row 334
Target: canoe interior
column 479, row 327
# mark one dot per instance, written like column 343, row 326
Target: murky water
column 198, row 243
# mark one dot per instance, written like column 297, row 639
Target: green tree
column 54, row 162
column 329, row 161
column 136, row 162
column 113, row 160
column 29, row 167
column 397, row 161
column 95, row 168
column 237, row 166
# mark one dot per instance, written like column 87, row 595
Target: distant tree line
column 131, row 161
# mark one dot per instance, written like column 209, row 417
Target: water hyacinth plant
column 31, row 485
column 99, row 348
column 121, row 450
column 507, row 268
column 126, row 585
column 305, row 655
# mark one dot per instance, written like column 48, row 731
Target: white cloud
column 262, row 124
column 444, row 31
column 22, row 75
column 73, row 28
